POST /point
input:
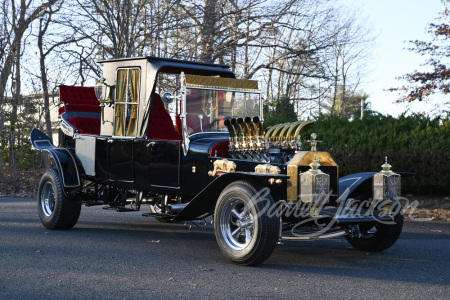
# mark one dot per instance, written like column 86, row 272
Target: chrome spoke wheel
column 237, row 223
column 245, row 233
column 48, row 199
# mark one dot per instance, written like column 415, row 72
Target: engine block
column 249, row 140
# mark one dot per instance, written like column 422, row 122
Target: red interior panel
column 179, row 125
column 86, row 124
column 221, row 148
column 161, row 125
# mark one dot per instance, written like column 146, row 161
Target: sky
column 394, row 22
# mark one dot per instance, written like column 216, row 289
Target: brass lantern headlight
column 102, row 91
column 315, row 187
column 386, row 184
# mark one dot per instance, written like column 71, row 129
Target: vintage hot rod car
column 200, row 151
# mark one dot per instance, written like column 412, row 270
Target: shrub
column 412, row 143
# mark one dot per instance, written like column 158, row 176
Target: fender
column 66, row 164
column 360, row 184
column 205, row 201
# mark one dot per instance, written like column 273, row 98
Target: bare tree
column 16, row 19
column 45, row 48
column 118, row 28
column 350, row 49
column 435, row 79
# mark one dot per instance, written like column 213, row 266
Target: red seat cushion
column 86, row 124
column 161, row 124
column 78, row 98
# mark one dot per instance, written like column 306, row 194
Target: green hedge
column 413, row 144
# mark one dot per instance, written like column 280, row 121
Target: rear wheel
column 379, row 236
column 245, row 233
column 56, row 211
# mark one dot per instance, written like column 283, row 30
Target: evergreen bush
column 412, row 144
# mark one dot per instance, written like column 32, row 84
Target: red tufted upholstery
column 78, row 98
column 179, row 125
column 221, row 148
column 161, row 125
column 86, row 124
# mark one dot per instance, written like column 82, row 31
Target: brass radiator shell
column 304, row 158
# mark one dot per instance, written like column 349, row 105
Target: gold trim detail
column 267, row 169
column 303, row 158
column 220, row 82
column 222, row 165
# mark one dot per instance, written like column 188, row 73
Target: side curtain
column 134, row 86
column 119, row 120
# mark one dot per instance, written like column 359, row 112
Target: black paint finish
column 66, row 163
column 164, row 163
column 101, row 157
column 198, row 160
column 120, row 159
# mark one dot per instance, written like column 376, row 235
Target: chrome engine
column 249, row 141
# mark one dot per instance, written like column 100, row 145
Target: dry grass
column 428, row 208
column 23, row 184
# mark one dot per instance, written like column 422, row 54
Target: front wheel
column 379, row 236
column 56, row 211
column 245, row 232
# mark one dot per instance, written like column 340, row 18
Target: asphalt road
column 110, row 255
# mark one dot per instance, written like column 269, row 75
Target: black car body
column 205, row 152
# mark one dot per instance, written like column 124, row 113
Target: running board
column 343, row 220
column 292, row 236
column 326, row 232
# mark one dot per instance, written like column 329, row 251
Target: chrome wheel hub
column 237, row 223
column 48, row 199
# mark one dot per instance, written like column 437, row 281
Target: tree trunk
column 343, row 91
column 246, row 59
column 269, row 84
column 20, row 25
column 44, row 81
column 336, row 78
column 207, row 31
column 15, row 99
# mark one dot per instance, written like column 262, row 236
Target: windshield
column 206, row 109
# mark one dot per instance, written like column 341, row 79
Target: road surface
column 110, row 255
